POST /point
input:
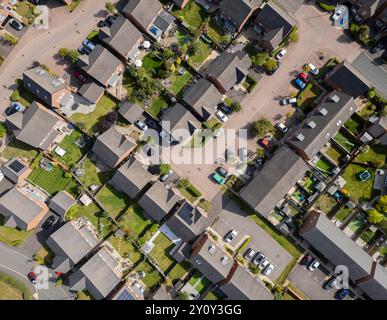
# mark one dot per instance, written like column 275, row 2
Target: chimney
column 334, row 98
column 323, row 111
column 300, row 137
column 311, row 124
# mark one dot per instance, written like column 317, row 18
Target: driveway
column 234, row 218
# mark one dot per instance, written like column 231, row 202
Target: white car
column 312, row 69
column 281, row 127
column 286, row 101
column 314, row 265
column 166, row 136
column 250, row 254
column 269, row 269
column 280, row 54
column 264, row 264
column 218, row 133
column 221, row 116
column 338, row 13
column 141, row 125
column 231, row 236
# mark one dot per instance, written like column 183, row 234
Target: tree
column 235, row 106
column 164, row 168
column 3, row 130
column 260, row 59
column 261, row 127
column 294, row 37
column 270, row 65
column 63, row 52
column 374, row 216
column 110, row 8
column 194, row 48
column 382, row 204
column 108, row 121
column 260, row 152
column 71, row 55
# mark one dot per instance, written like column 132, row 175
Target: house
column 212, row 261
column 71, row 243
column 122, row 38
column 159, row 201
column 20, row 210
column 344, row 77
column 339, row 249
column 92, row 91
column 112, row 147
column 131, row 177
column 378, row 130
column 188, row 222
column 101, row 65
column 16, row 170
column 181, row 3
column 366, row 9
column 61, row 203
column 241, row 285
column 202, row 98
column 46, row 87
column 99, row 275
column 326, row 120
column 272, row 26
column 36, row 126
column 179, row 123
column 270, row 185
column 235, row 13
column 149, row 17
column 130, row 111
column 228, row 70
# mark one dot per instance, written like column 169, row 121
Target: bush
column 164, row 168
column 260, row 59
column 235, row 106
column 3, row 130
column 326, row 7
column 244, row 244
column 270, row 65
column 254, row 269
column 261, row 127
column 374, row 216
column 184, row 183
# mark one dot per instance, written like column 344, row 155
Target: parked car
column 141, row 125
column 338, row 13
column 88, row 45
column 377, row 47
column 243, row 154
column 218, row 133
column 101, row 24
column 32, row 277
column 167, row 137
column 13, row 108
column 151, row 123
column 281, row 127
column 49, row 222
column 342, row 294
column 222, row 171
column 229, row 154
column 300, row 84
column 303, row 76
column 286, row 101
column 15, row 24
column 280, row 54
column 312, row 69
column 110, row 20
column 83, row 50
column 250, row 253
column 259, row 257
column 218, row 178
column 231, row 236
column 314, row 265
column 269, row 269
column 307, row 260
column 165, row 176
column 221, row 116
column 264, row 263
column 80, row 76
column 224, row 108
column 330, row 283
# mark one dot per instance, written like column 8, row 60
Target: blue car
column 342, row 294
column 300, row 84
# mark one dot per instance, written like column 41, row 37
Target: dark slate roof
column 122, row 36
column 91, row 91
column 131, row 177
column 335, row 245
column 130, row 111
column 61, row 202
column 376, row 288
column 274, row 181
column 44, row 80
column 112, row 145
column 35, row 126
column 100, row 64
column 346, row 78
column 243, row 286
column 238, row 10
column 178, row 117
column 212, row 261
column 159, row 200
column 203, row 97
column 144, row 11
column 164, row 20
column 327, row 118
column 275, row 23
column 230, row 68
column 14, row 168
column 181, row 3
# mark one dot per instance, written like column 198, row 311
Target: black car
column 15, row 24
column 110, row 20
column 49, row 222
column 223, row 172
column 330, row 283
column 377, row 47
column 225, row 108
column 151, row 123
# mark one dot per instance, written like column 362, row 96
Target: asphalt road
column 290, row 6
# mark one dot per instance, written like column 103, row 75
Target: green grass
column 367, row 235
column 355, row 224
column 217, row 33
column 178, row 82
column 84, row 295
column 73, row 5
column 193, row 14
column 13, row 289
column 73, row 152
column 151, row 63
column 93, row 34
column 353, row 125
column 12, row 236
column 325, row 203
column 152, row 277
column 16, row 148
column 91, row 120
column 190, row 192
column 375, row 153
column 125, row 248
column 199, row 282
column 211, row 296
column 367, row 111
column 158, row 103
column 179, row 270
column 112, row 200
column 383, row 250
column 359, row 190
column 52, row 181
column 343, row 213
column 92, row 175
column 201, row 55
column 348, row 144
column 324, row 165
column 307, row 96
column 308, row 184
column 26, row 10
column 334, row 154
column 133, row 221
column 22, row 95
column 160, row 252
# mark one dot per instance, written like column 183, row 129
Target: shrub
column 254, row 269
column 244, row 244
column 374, row 216
column 326, row 7
column 164, row 168
column 260, row 59
column 261, row 127
column 270, row 65
column 3, row 130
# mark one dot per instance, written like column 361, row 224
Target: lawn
column 193, row 15
column 113, row 201
column 73, row 152
column 343, row 213
column 308, row 184
column 348, row 144
column 376, row 153
column 125, row 248
column 91, row 120
column 93, row 176
column 13, row 289
column 325, row 203
column 367, row 235
column 133, row 222
column 22, row 95
column 307, row 96
column 83, row 295
column 157, row 105
column 211, row 296
column 356, row 224
column 12, row 236
column 151, row 62
column 179, row 270
column 53, row 181
column 199, row 282
column 354, row 125
column 334, row 154
column 152, row 277
column 324, row 165
column 26, row 10
column 188, row 190
column 359, row 190
column 178, row 82
column 203, row 51
column 217, row 33
column 16, row 148
column 160, row 252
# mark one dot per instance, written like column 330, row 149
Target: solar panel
column 16, row 166
column 125, row 295
column 186, row 213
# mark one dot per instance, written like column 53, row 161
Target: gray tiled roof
column 44, row 80
column 376, row 288
column 130, row 111
column 274, row 181
column 144, row 11
column 238, row 10
column 61, row 202
column 92, row 91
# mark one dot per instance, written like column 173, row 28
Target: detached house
column 149, row 17
column 92, row 91
column 16, row 170
column 366, row 9
column 112, row 147
column 101, row 65
column 228, row 69
column 272, row 25
column 235, row 13
column 61, row 202
column 36, row 126
column 46, row 87
column 123, row 38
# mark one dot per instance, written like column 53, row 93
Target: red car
column 80, row 76
column 265, row 143
column 303, row 76
column 32, row 277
